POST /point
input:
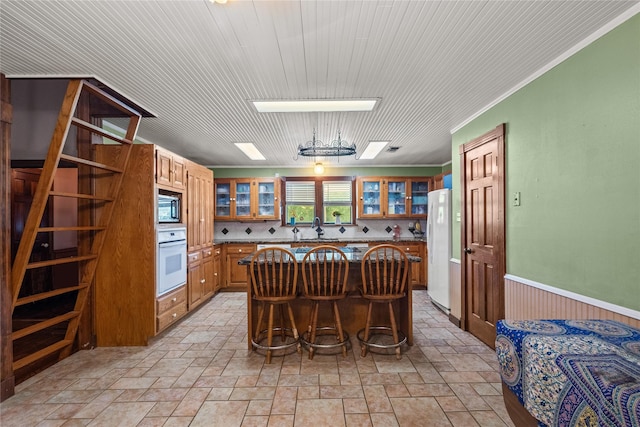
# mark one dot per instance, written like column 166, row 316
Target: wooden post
column 7, row 378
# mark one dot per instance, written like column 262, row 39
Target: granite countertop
column 353, row 254
column 325, row 240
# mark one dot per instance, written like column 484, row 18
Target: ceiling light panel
column 373, row 149
column 315, row 105
column 250, row 150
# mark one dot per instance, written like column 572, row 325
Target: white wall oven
column 172, row 259
column 168, row 207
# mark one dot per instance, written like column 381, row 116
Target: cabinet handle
column 174, row 299
column 215, row 274
column 174, row 315
column 201, row 219
column 239, row 250
column 209, row 253
column 275, row 198
column 203, row 280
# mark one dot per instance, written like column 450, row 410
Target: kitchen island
column 353, row 309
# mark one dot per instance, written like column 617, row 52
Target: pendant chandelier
column 317, row 148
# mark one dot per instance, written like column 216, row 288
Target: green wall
column 573, row 152
column 329, row 171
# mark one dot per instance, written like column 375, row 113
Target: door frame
column 499, row 134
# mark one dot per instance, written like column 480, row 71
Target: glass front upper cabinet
column 371, row 193
column 397, row 198
column 247, row 199
column 223, row 199
column 266, row 199
column 418, row 198
column 243, row 199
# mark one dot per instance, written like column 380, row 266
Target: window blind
column 301, row 192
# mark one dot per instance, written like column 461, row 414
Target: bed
column 570, row 372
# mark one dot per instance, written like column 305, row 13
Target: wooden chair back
column 325, row 270
column 385, row 270
column 274, row 274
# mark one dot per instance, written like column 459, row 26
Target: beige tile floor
column 201, row 374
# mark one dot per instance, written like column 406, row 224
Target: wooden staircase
column 59, row 323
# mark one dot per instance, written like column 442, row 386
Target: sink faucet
column 316, row 223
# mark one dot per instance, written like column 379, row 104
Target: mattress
column 572, row 372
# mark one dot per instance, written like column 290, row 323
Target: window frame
column 319, row 199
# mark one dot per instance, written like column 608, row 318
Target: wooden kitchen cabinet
column 441, row 181
column 418, row 270
column 128, row 311
column 200, row 278
column 217, row 268
column 392, row 197
column 199, row 207
column 200, row 273
column 125, row 287
column 247, row 199
column 171, row 170
column 236, row 275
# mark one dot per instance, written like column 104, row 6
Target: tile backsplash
column 272, row 230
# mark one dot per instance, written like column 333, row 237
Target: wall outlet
column 516, row 198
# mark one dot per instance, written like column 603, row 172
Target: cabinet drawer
column 207, row 252
column 170, row 300
column 241, row 249
column 194, row 257
column 171, row 316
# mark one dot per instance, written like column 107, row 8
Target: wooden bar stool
column 324, row 275
column 384, row 280
column 274, row 275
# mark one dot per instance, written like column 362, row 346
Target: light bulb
column 318, row 169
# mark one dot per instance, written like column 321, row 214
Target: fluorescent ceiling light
column 373, row 149
column 250, row 150
column 314, row 105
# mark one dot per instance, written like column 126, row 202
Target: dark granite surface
column 353, row 254
column 327, row 241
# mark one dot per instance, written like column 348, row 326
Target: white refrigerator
column 439, row 247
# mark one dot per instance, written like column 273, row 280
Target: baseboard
column 453, row 319
column 7, row 388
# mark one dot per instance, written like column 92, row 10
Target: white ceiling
column 196, row 64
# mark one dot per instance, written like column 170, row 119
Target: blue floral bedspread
column 572, row 372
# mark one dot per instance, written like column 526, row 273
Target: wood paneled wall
column 7, row 379
column 523, row 301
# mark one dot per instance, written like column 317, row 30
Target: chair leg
column 367, row 325
column 283, row 333
column 270, row 332
column 336, row 315
column 313, row 325
column 294, row 328
column 394, row 329
column 259, row 323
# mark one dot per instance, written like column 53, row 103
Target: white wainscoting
column 455, row 291
column 526, row 299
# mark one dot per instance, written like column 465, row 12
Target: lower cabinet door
column 195, row 281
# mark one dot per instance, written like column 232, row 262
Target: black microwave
column 168, row 207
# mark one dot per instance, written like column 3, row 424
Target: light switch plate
column 516, row 198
